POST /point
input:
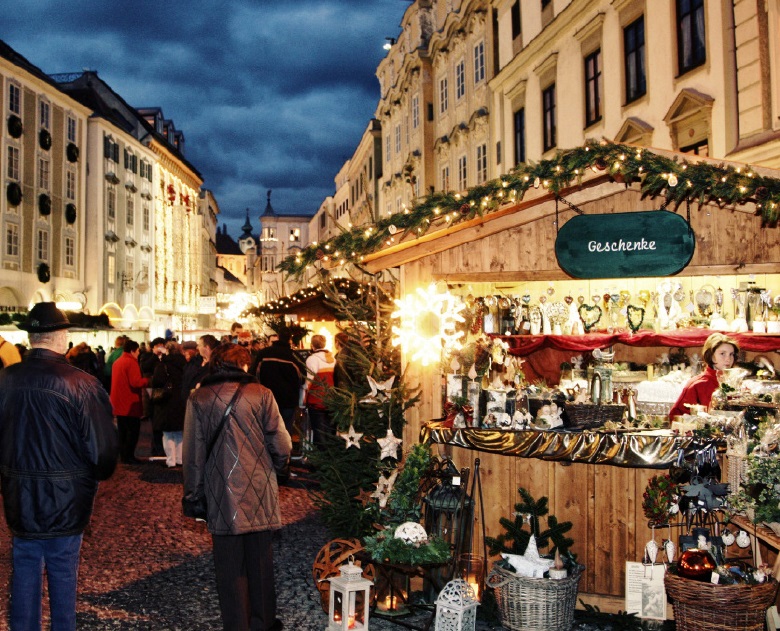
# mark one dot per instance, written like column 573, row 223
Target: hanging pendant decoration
column 389, row 445
column 351, row 437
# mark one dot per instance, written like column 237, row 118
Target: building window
column 111, row 202
column 269, row 234
column 479, row 62
column 445, row 178
column 45, row 114
column 691, row 49
column 520, row 136
column 634, row 48
column 14, row 99
column 12, row 240
column 460, row 80
column 70, row 252
column 548, row 109
column 481, row 164
column 110, row 269
column 12, row 170
column 387, row 148
column 517, row 25
column 131, row 161
column 398, row 139
column 71, row 129
column 70, row 184
column 462, row 173
column 130, row 210
column 146, row 170
column 415, row 112
column 110, row 149
column 593, row 88
column 129, row 275
column 295, row 235
column 43, row 174
column 443, row 96
column 323, row 221
column 43, row 245
column 146, row 217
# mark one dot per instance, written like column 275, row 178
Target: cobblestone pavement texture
column 145, row 566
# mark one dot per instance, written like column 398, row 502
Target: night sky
column 270, row 94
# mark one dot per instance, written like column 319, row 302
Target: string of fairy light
column 677, row 180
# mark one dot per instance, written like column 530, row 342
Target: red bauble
column 697, row 565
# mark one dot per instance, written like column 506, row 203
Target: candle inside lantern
column 471, row 568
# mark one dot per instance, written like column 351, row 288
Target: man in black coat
column 57, row 440
column 279, row 370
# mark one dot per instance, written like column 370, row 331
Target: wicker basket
column 535, row 604
column 590, row 415
column 700, row 606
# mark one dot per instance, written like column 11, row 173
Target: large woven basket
column 700, row 606
column 535, row 604
column 590, row 415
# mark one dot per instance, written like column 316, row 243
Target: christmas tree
column 366, row 405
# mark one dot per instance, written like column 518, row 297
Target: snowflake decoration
column 428, row 321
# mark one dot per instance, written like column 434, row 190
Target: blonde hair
column 318, row 342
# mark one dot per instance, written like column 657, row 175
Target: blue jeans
column 60, row 557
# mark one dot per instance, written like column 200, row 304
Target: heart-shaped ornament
column 526, row 298
column 635, row 316
column 568, row 299
column 595, row 299
column 542, row 299
column 590, row 315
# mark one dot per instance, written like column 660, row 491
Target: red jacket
column 698, row 390
column 127, row 386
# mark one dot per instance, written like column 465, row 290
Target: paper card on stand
column 645, row 591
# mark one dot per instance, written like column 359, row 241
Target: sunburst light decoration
column 428, row 321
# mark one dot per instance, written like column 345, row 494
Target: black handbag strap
column 228, row 410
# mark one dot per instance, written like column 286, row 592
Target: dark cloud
column 269, row 93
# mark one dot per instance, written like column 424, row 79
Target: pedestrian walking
column 235, row 443
column 127, row 387
column 57, row 441
column 319, row 368
column 168, row 410
column 280, row 370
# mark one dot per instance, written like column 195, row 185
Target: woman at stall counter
column 719, row 352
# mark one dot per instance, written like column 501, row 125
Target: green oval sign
column 622, row 245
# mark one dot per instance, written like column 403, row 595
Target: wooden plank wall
column 603, row 502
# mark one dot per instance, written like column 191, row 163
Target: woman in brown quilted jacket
column 235, row 442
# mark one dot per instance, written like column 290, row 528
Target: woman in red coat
column 720, row 352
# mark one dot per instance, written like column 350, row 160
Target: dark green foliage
column 515, row 538
column 346, row 473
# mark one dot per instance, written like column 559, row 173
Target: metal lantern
column 456, row 607
column 349, row 599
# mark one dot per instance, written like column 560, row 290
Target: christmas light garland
column 677, row 180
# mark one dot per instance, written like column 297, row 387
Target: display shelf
column 649, row 450
column 763, row 535
column 523, row 345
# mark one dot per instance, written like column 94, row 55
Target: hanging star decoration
column 378, row 389
column 384, row 487
column 352, row 437
column 389, row 445
column 364, row 497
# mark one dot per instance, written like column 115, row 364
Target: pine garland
column 676, row 180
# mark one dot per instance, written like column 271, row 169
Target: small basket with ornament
column 534, row 592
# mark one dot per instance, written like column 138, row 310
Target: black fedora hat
column 44, row 317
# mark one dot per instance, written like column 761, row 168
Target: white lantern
column 349, row 599
column 456, row 607
column 411, row 533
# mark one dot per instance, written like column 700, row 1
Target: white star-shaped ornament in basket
column 378, row 389
column 529, row 564
column 384, row 487
column 352, row 437
column 389, row 445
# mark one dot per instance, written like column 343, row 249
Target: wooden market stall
column 513, row 247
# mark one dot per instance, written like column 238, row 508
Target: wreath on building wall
column 44, row 204
column 13, row 193
column 44, row 139
column 72, row 152
column 15, row 126
column 44, row 273
column 70, row 213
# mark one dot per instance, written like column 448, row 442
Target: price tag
column 715, row 578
